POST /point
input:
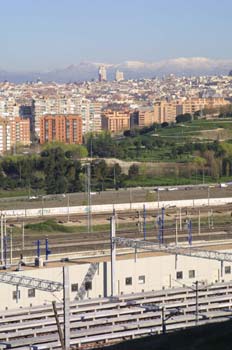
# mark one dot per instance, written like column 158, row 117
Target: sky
column 50, row 34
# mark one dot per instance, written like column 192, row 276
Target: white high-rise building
column 119, row 76
column 102, row 73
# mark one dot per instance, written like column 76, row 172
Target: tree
column 54, row 169
column 133, row 171
column 164, row 125
column 115, row 173
column 181, row 118
column 99, row 173
column 73, row 177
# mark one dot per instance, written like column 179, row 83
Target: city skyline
column 46, row 35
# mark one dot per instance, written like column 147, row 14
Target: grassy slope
column 209, row 337
column 195, row 127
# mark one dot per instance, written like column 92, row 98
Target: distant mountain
column 132, row 70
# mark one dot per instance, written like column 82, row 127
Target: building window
column 31, row 293
column 88, row 285
column 227, row 269
column 74, row 287
column 141, row 279
column 191, row 273
column 128, row 281
column 179, row 275
column 15, row 292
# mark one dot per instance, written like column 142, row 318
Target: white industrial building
column 133, row 274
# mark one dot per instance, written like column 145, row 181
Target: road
column 114, row 197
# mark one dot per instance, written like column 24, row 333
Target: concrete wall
column 118, row 207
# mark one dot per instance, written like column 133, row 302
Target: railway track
column 71, row 244
column 102, row 321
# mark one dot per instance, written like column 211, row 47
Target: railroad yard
column 70, row 234
column 85, row 240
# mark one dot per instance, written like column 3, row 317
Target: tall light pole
column 66, row 302
column 196, row 290
column 113, row 255
column 176, row 235
column 88, row 190
column 2, row 235
column 197, row 305
column 68, row 203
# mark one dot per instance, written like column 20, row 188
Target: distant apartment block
column 166, row 111
column 63, row 128
column 13, row 132
column 102, row 76
column 119, row 76
column 90, row 111
column 20, row 131
column 142, row 117
column 115, row 121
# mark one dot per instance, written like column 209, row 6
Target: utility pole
column 66, row 302
column 197, row 308
column 2, row 238
column 212, row 218
column 68, row 204
column 5, row 243
column 158, row 197
column 162, row 225
column 199, row 222
column 114, row 178
column 130, row 198
column 190, row 237
column 88, row 173
column 11, row 247
column 113, row 255
column 163, row 319
column 176, row 231
column 144, row 222
column 180, row 221
column 23, row 235
column 61, row 336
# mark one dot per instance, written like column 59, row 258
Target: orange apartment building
column 20, row 131
column 166, row 111
column 141, row 117
column 66, row 128
column 115, row 121
column 14, row 131
column 146, row 117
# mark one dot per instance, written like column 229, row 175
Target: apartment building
column 75, row 104
column 115, row 121
column 63, row 128
column 102, row 75
column 166, row 111
column 95, row 124
column 13, row 132
column 20, row 131
column 119, row 76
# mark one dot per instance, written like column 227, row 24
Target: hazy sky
column 45, row 34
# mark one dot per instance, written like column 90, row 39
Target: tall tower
column 119, row 76
column 102, row 73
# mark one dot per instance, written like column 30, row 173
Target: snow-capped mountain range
column 132, row 70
